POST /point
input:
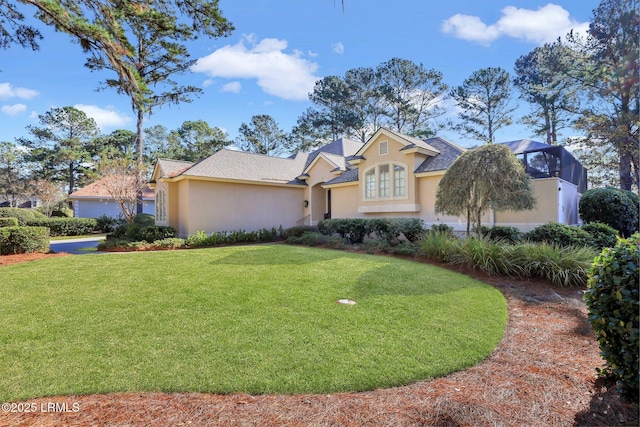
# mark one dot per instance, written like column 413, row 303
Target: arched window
column 386, row 181
column 161, row 205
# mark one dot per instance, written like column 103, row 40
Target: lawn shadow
column 256, row 256
column 406, row 283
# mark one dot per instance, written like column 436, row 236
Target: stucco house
column 391, row 175
column 94, row 200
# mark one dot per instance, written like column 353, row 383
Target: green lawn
column 255, row 319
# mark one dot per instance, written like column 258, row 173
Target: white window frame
column 161, row 205
column 375, row 189
column 383, row 148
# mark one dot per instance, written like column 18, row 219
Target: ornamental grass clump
column 612, row 298
column 481, row 253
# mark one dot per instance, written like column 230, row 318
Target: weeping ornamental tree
column 487, row 177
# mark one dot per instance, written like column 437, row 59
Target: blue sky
column 281, row 47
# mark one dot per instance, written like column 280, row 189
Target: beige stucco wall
column 319, row 173
column 344, row 201
column 223, row 206
column 427, row 189
column 546, row 192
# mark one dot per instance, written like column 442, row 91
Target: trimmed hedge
column 602, row 235
column 612, row 206
column 502, row 233
column 65, row 226
column 23, row 240
column 554, row 233
column 23, row 215
column 612, row 298
column 201, row 239
column 8, row 222
column 387, row 229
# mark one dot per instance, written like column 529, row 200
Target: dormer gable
column 380, row 143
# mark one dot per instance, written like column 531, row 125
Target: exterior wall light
column 306, row 203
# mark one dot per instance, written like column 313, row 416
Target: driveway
column 76, row 246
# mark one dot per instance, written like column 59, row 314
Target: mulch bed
column 543, row 373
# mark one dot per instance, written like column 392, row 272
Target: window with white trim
column 399, row 181
column 386, row 181
column 383, row 148
column 370, row 184
column 161, row 205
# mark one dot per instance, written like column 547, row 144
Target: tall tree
column 487, row 177
column 305, row 136
column 14, row 176
column 262, row 135
column 120, row 141
column 367, row 101
column 158, row 33
column 411, row 95
column 198, row 140
column 606, row 65
column 334, row 112
column 553, row 98
column 484, row 98
column 142, row 42
column 13, row 31
column 62, row 145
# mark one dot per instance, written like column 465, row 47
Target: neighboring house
column 32, row 203
column 391, row 175
column 94, row 200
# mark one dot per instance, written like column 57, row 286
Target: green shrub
column 65, row 226
column 62, row 212
column 151, row 233
column 169, row 243
column 501, row 233
column 410, row 228
column 612, row 206
column 559, row 234
column 317, row 239
column 8, row 222
column 602, row 235
column 297, row 230
column 352, row 229
column 442, row 228
column 23, row 240
column 23, row 215
column 107, row 224
column 144, row 219
column 612, row 299
column 387, row 229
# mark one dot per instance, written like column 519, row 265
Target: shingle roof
column 240, row 165
column 98, row 190
column 348, row 176
column 343, row 147
column 171, row 167
column 448, row 153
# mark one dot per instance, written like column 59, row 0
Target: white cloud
column 538, row 26
column 208, row 82
column 8, row 91
column 285, row 75
column 104, row 117
column 338, row 48
column 233, row 87
column 12, row 110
